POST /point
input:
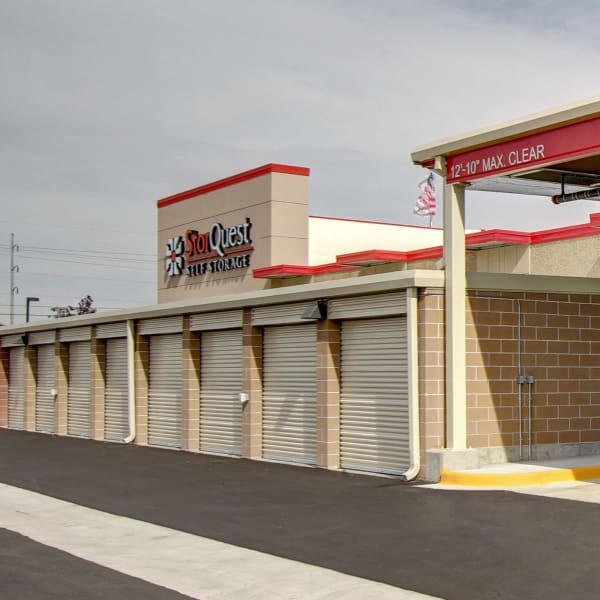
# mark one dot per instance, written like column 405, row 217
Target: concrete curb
column 538, row 477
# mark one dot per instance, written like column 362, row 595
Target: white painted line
column 198, row 567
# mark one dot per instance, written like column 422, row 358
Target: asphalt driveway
column 453, row 544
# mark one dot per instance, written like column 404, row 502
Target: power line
column 79, row 262
column 67, row 275
column 55, row 225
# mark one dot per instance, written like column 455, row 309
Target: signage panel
column 214, row 251
column 544, row 148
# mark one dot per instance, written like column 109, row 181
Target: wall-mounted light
column 316, row 310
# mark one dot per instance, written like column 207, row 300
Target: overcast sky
column 106, row 106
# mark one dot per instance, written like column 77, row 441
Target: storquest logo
column 216, row 250
column 175, row 262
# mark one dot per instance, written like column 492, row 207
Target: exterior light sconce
column 316, row 310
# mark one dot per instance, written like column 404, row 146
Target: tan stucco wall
column 579, row 257
column 277, row 206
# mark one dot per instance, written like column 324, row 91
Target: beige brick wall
column 141, row 359
column 30, row 379
column 61, row 353
column 328, row 394
column 97, row 384
column 190, row 425
column 252, row 385
column 4, row 366
column 431, row 370
column 560, row 347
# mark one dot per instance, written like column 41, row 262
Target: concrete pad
column 189, row 564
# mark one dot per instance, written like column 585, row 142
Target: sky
column 108, row 105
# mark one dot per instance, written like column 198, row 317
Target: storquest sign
column 214, row 251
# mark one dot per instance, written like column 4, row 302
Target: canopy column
column 454, row 258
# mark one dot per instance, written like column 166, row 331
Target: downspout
column 131, row 380
column 413, row 385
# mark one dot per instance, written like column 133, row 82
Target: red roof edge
column 425, row 253
column 232, row 180
column 564, row 233
column 505, row 236
column 371, row 256
column 282, row 271
column 298, row 270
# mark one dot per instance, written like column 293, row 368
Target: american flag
column 426, row 201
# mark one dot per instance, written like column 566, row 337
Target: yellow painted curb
column 518, row 479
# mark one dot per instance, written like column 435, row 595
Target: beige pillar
column 141, row 388
column 4, row 376
column 252, row 385
column 61, row 353
column 454, row 258
column 191, row 388
column 29, row 393
column 97, row 381
column 328, row 394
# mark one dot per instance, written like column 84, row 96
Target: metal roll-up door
column 116, row 390
column 220, row 385
column 290, row 393
column 79, row 414
column 45, row 381
column 165, row 390
column 374, row 396
column 16, row 388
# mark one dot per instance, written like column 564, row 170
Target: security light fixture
column 316, row 310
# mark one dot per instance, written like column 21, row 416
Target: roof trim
column 520, row 127
column 286, row 271
column 233, row 180
column 369, row 284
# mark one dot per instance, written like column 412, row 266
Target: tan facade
column 576, row 257
column 267, row 208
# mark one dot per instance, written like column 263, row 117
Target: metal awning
column 549, row 154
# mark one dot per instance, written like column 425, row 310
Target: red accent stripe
column 299, row 270
column 425, row 253
column 234, row 179
column 563, row 233
column 372, row 256
column 503, row 236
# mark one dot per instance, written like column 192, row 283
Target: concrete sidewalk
column 192, row 565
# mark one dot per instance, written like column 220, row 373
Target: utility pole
column 13, row 269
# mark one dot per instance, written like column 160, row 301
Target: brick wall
column 431, row 370
column 560, row 342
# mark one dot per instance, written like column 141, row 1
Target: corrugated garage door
column 165, row 390
column 79, row 414
column 289, row 393
column 116, row 390
column 220, row 385
column 16, row 388
column 45, row 381
column 374, row 395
